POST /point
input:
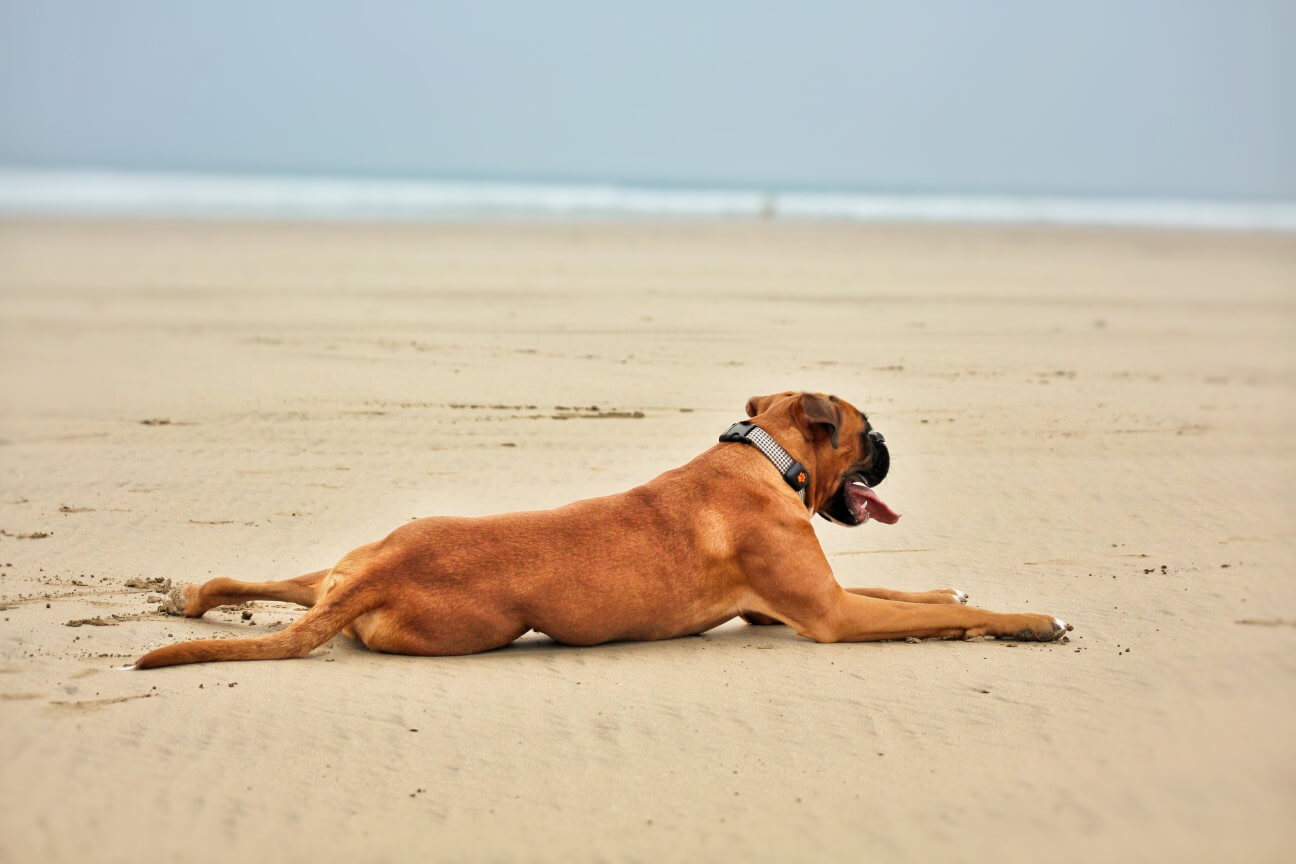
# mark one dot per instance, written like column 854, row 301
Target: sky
column 1118, row 98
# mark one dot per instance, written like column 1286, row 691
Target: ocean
column 85, row 194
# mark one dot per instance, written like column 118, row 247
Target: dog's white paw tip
column 961, row 595
column 1060, row 626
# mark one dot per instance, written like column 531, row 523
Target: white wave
column 98, row 194
column 1225, row 215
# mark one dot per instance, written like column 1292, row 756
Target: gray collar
column 794, row 473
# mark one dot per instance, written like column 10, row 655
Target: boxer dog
column 728, row 534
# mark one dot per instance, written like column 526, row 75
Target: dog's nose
column 881, row 462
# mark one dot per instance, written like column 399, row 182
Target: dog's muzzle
column 855, row 502
column 877, row 470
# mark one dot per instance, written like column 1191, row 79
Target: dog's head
column 833, row 439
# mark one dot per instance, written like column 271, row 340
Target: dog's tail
column 320, row 623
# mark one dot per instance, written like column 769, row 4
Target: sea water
column 207, row 196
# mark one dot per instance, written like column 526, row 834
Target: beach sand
column 1091, row 424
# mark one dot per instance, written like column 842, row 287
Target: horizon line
column 42, row 193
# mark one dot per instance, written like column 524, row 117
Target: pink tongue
column 865, row 498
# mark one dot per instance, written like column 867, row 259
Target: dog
column 728, row 534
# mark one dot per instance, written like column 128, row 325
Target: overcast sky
column 1187, row 98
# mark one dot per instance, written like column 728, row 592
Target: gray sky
column 1184, row 98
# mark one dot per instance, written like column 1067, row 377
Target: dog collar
column 794, row 473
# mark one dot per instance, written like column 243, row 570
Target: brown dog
column 728, row 534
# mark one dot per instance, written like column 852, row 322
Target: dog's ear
column 758, row 404
column 815, row 410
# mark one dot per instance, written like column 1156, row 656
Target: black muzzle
column 877, row 470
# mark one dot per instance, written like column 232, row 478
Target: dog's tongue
column 866, row 504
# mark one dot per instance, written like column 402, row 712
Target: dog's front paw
column 1020, row 628
column 1039, row 628
column 181, row 601
column 950, row 595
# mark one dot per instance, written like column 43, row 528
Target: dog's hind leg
column 193, row 600
column 350, row 590
column 339, row 607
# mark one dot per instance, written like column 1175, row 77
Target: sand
column 1093, row 424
